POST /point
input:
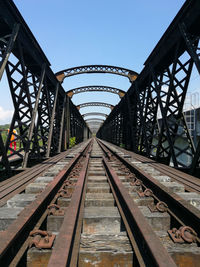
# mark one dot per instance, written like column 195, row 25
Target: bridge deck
column 103, row 204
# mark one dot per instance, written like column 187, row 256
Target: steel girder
column 152, row 109
column 99, row 104
column 132, row 75
column 94, row 114
column 96, row 88
column 38, row 98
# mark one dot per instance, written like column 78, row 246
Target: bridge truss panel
column 151, row 113
column 39, row 101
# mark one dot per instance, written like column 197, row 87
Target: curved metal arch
column 132, row 75
column 94, row 114
column 96, row 88
column 94, row 119
column 100, row 104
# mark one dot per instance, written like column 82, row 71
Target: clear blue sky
column 112, row 32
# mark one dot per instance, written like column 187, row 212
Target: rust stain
column 60, row 77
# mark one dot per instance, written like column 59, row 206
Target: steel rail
column 62, row 252
column 23, row 249
column 184, row 211
column 15, row 235
column 15, row 261
column 155, row 253
column 15, row 187
column 156, row 199
column 191, row 183
column 33, row 170
column 20, row 181
column 25, row 171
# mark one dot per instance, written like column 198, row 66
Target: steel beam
column 99, row 104
column 61, row 139
column 130, row 74
column 9, row 46
column 52, row 122
column 34, row 113
column 96, row 88
column 94, row 114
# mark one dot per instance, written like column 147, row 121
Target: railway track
column 17, row 184
column 103, row 206
column 191, row 183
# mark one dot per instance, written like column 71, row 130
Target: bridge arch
column 96, row 88
column 130, row 74
column 94, row 120
column 94, row 114
column 100, row 104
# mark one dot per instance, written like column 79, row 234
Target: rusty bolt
column 188, row 234
column 161, row 206
column 148, row 192
column 138, row 182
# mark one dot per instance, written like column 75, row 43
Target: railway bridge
column 99, row 188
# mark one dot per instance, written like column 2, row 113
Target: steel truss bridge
column 45, row 117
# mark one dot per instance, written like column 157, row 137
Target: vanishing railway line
column 99, row 205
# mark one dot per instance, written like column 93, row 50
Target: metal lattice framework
column 43, row 114
column 94, row 114
column 160, row 89
column 130, row 74
column 96, row 88
column 45, row 118
column 99, row 104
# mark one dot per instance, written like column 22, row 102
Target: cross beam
column 94, row 120
column 130, row 74
column 94, row 114
column 96, row 88
column 100, row 104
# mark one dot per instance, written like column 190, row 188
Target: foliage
column 72, row 141
column 4, row 131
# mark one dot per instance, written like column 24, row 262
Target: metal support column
column 32, row 125
column 52, row 122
